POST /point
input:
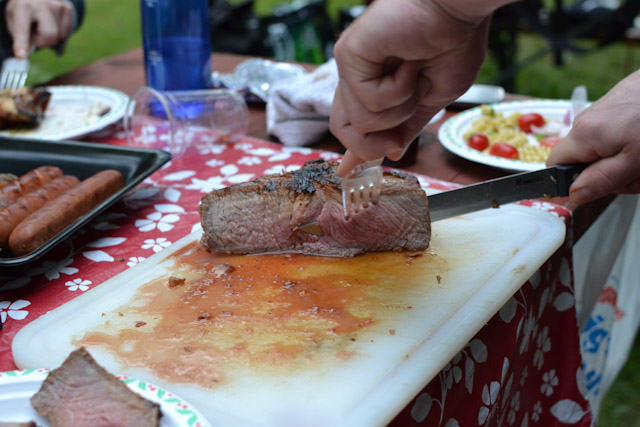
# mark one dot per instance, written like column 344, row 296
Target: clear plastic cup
column 176, row 120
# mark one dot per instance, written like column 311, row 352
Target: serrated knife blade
column 549, row 182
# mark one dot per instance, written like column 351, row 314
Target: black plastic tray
column 81, row 159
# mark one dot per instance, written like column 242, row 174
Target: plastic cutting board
column 475, row 264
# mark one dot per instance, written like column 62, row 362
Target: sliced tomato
column 478, row 141
column 526, row 120
column 550, row 141
column 502, row 149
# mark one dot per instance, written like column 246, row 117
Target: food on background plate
column 264, row 215
column 82, row 393
column 23, row 107
column 524, row 136
column 57, row 214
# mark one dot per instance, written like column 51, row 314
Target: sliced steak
column 82, row 393
column 264, row 215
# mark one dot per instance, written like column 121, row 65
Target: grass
column 113, row 26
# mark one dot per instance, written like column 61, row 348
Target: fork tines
column 14, row 73
column 361, row 187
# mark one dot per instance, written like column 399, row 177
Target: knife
column 550, row 182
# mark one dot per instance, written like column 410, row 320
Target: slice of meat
column 82, row 393
column 23, row 107
column 264, row 215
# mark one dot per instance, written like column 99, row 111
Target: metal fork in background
column 361, row 187
column 14, row 73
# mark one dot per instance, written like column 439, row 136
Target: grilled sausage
column 11, row 215
column 6, row 179
column 28, row 182
column 62, row 211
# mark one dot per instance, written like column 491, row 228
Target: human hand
column 607, row 135
column 399, row 64
column 38, row 23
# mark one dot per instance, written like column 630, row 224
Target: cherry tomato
column 526, row 120
column 478, row 141
column 550, row 141
column 502, row 149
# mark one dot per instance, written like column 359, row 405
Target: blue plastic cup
column 177, row 47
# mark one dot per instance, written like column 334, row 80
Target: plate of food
column 515, row 135
column 81, row 392
column 59, row 112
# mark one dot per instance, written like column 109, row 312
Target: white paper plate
column 451, row 132
column 73, row 112
column 17, row 387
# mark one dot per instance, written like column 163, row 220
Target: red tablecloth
column 523, row 368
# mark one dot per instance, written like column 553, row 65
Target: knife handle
column 566, row 175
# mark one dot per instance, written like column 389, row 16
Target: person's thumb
column 605, row 176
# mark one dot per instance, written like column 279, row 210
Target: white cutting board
column 475, row 264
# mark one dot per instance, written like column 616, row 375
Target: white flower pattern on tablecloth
column 527, row 331
column 78, row 285
column 515, row 407
column 206, row 185
column 489, row 398
column 13, row 310
column 53, row 269
column 537, row 411
column 523, row 376
column 135, row 260
column 214, row 163
column 544, row 345
column 550, row 380
column 250, row 160
column 210, row 148
column 156, row 244
column 160, row 221
column 179, row 175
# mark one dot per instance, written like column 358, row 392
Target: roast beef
column 82, row 393
column 263, row 215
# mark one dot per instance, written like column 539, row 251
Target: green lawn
column 113, row 26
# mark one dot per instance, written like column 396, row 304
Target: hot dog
column 12, row 214
column 28, row 182
column 62, row 211
column 6, row 179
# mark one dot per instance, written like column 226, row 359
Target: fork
column 14, row 73
column 361, row 187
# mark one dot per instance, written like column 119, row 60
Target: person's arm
column 399, row 64
column 607, row 135
column 41, row 23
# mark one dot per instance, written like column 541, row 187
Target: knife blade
column 550, row 182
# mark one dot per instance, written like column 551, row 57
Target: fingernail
column 581, row 196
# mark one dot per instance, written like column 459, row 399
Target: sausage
column 11, row 215
column 6, row 179
column 28, row 182
column 62, row 211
